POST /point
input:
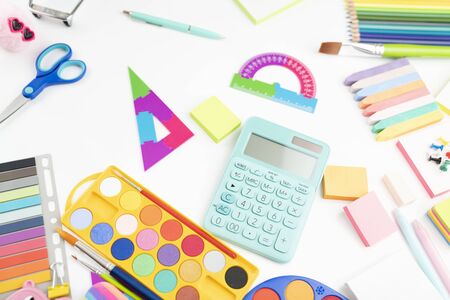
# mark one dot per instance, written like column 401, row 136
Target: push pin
column 437, row 160
column 443, row 141
column 444, row 166
column 448, row 155
column 437, row 147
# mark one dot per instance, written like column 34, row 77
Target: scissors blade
column 13, row 107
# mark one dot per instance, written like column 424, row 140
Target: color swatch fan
column 160, row 130
column 304, row 100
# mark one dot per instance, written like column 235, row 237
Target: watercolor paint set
column 28, row 215
column 293, row 288
column 153, row 242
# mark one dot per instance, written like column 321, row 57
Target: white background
column 90, row 125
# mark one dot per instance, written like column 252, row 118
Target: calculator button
column 269, row 227
column 283, row 193
column 223, row 209
column 263, row 198
column 228, row 198
column 231, row 186
column 267, row 187
column 302, row 189
column 238, row 215
column 287, row 183
column 279, row 204
column 253, row 181
column 299, row 199
column 219, row 221
column 259, row 210
column 243, row 203
column 241, row 165
column 238, row 175
column 272, row 176
column 254, row 222
column 248, row 192
column 256, row 172
column 290, row 222
column 265, row 240
column 294, row 211
column 249, row 234
column 233, row 227
column 274, row 216
column 283, row 241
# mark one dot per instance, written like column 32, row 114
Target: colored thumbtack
column 444, row 166
column 437, row 160
column 448, row 155
column 437, row 147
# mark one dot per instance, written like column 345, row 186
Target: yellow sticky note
column 344, row 183
column 215, row 118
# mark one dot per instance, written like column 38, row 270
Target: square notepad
column 440, row 216
column 397, row 277
column 370, row 219
column 215, row 118
column 414, row 148
column 344, row 183
column 261, row 10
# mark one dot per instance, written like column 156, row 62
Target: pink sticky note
column 370, row 219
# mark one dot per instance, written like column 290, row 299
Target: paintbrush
column 106, row 277
column 384, row 50
column 116, row 272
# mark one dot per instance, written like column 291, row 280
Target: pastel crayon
column 376, row 70
column 376, row 79
column 386, row 85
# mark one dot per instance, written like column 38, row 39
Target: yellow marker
column 344, row 183
column 443, row 141
column 410, row 125
column 215, row 118
column 444, row 108
column 397, row 91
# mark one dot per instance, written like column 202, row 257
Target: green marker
column 174, row 25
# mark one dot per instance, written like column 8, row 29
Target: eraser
column 398, row 189
column 215, row 119
column 344, row 183
column 370, row 219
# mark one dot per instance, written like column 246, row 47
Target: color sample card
column 261, row 10
column 396, row 277
column 415, row 148
column 215, row 118
column 344, row 183
column 370, row 219
column 160, row 130
column 154, row 243
column 394, row 98
column 28, row 215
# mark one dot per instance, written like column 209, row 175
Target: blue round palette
column 293, row 288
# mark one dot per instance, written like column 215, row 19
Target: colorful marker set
column 394, row 98
column 440, row 216
column 154, row 243
column 28, row 215
column 399, row 22
column 293, row 288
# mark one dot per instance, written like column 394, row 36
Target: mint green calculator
column 268, row 188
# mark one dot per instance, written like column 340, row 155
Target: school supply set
column 29, row 213
column 439, row 214
column 399, row 22
column 394, row 99
column 148, row 246
column 267, row 190
column 417, row 151
column 50, row 71
column 304, row 100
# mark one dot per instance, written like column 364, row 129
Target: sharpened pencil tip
column 126, row 12
column 330, row 48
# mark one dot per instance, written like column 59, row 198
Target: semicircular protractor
column 304, row 99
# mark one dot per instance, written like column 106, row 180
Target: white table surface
column 90, row 125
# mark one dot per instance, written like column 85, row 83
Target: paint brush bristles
column 332, row 48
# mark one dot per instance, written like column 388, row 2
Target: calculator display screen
column 280, row 156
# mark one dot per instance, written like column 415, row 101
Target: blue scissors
column 53, row 67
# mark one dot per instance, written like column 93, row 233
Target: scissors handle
column 54, row 73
